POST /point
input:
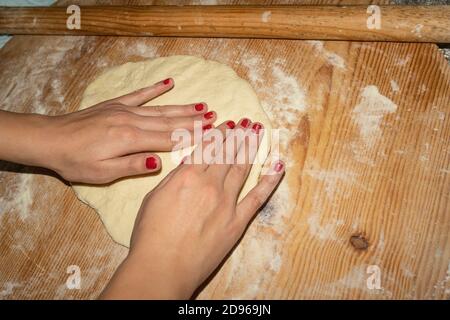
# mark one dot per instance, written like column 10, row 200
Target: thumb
column 132, row 165
column 257, row 196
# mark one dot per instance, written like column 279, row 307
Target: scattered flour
column 369, row 112
column 260, row 252
column 332, row 178
column 141, row 49
column 425, row 153
column 323, row 231
column 18, row 197
column 332, row 58
column 42, row 68
column 403, row 61
column 8, row 289
column 283, row 99
column 253, row 63
column 394, row 86
column 444, row 284
column 288, row 97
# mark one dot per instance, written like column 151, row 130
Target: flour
column 262, row 260
column 140, row 49
column 254, row 73
column 331, row 57
column 327, row 231
column 444, row 284
column 332, row 178
column 369, row 113
column 283, row 99
column 403, row 61
column 42, row 68
column 425, row 153
column 394, row 86
column 8, row 289
column 18, row 196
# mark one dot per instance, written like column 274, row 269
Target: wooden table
column 367, row 189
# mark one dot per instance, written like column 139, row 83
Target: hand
column 114, row 138
column 189, row 222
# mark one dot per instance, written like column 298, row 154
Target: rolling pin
column 361, row 23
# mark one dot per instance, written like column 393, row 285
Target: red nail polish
column 167, row 81
column 207, row 127
column 209, row 115
column 151, row 163
column 257, row 127
column 279, row 166
column 231, row 124
column 199, row 106
column 245, row 122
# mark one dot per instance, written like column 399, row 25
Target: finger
column 131, row 165
column 211, row 138
column 135, row 140
column 235, row 140
column 232, row 144
column 238, row 172
column 171, row 110
column 146, row 94
column 226, row 153
column 213, row 151
column 173, row 123
column 257, row 196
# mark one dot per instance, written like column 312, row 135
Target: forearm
column 23, row 138
column 144, row 278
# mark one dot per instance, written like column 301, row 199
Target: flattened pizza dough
column 196, row 80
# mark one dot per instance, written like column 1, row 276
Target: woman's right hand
column 190, row 221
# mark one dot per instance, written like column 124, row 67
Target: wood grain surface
column 396, row 23
column 366, row 139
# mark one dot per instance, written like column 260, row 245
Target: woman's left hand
column 108, row 141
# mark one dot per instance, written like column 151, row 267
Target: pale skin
column 189, row 222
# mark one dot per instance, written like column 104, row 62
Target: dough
column 196, row 80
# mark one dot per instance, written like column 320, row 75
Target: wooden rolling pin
column 393, row 23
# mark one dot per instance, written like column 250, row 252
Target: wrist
column 24, row 138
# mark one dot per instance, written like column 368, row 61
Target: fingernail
column 257, row 127
column 278, row 166
column 245, row 122
column 167, row 81
column 199, row 106
column 207, row 127
column 231, row 124
column 151, row 163
column 209, row 115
